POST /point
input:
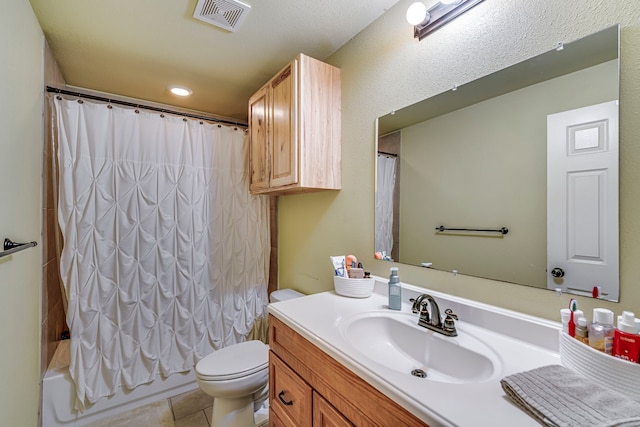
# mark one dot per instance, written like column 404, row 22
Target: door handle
column 284, row 402
column 557, row 272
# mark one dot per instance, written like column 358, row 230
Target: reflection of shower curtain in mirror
column 386, row 177
column 166, row 254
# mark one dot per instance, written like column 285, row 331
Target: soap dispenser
column 395, row 291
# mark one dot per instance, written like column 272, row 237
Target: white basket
column 354, row 288
column 612, row 372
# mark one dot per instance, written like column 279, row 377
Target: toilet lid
column 234, row 361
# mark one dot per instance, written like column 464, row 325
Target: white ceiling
column 137, row 48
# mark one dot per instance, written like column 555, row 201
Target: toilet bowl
column 237, row 377
column 231, row 376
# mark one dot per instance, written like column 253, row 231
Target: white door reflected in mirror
column 582, row 200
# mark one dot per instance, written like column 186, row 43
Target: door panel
column 284, row 148
column 582, row 200
column 258, row 160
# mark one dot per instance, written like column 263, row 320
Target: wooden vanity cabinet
column 307, row 387
column 294, row 130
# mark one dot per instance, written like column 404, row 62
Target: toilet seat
column 236, row 361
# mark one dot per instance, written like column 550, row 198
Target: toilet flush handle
column 285, row 402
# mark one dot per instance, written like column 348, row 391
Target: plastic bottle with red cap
column 626, row 341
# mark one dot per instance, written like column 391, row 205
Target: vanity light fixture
column 425, row 20
column 180, row 90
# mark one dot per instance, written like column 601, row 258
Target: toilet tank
column 284, row 294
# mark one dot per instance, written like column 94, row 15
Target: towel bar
column 13, row 247
column 503, row 230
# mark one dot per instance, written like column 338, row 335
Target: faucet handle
column 449, row 324
column 418, row 305
column 449, row 313
column 414, row 305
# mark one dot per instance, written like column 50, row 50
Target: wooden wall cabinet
column 294, row 130
column 307, row 388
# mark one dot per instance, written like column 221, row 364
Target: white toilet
column 237, row 377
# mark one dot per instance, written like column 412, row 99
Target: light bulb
column 416, row 13
column 180, row 90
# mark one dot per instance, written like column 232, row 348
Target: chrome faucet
column 430, row 318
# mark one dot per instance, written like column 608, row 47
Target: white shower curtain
column 166, row 254
column 386, row 181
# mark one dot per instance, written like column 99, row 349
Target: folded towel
column 559, row 397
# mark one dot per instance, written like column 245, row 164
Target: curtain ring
column 201, row 122
column 162, row 116
column 80, row 101
column 184, row 119
column 219, row 126
column 59, row 98
column 109, row 106
column 137, row 111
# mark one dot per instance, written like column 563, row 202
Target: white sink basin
column 394, row 340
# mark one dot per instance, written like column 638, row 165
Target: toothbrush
column 573, row 306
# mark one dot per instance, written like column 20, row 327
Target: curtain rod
column 387, row 154
column 143, row 106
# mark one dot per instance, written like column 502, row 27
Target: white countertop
column 520, row 343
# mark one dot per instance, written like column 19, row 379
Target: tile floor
column 191, row 409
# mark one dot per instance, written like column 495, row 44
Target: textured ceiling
column 137, row 48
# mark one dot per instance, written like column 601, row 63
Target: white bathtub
column 58, row 394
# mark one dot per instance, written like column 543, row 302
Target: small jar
column 582, row 331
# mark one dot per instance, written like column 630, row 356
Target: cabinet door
column 274, row 421
column 284, row 124
column 290, row 398
column 258, row 141
column 325, row 415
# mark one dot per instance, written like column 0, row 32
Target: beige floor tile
column 157, row 414
column 197, row 419
column 190, row 402
column 209, row 412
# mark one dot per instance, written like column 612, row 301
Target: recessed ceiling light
column 180, row 90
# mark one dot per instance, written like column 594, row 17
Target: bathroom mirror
column 462, row 177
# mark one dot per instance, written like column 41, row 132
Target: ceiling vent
column 226, row 14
